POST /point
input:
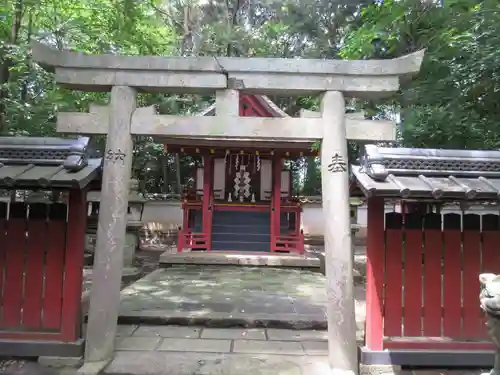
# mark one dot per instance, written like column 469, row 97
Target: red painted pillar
column 375, row 274
column 276, row 201
column 185, row 228
column 298, row 220
column 73, row 267
column 207, row 209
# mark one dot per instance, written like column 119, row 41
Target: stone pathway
column 200, row 302
column 175, row 350
column 221, row 340
column 231, row 296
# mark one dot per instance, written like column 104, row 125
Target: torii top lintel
column 359, row 78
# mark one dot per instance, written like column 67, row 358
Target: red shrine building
column 242, row 200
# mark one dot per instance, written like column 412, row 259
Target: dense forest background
column 454, row 103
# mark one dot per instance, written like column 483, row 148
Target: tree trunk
column 6, row 65
column 165, row 173
column 187, row 37
column 232, row 22
column 24, row 89
column 178, row 173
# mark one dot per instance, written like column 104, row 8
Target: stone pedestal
column 132, row 229
column 131, row 243
column 490, row 303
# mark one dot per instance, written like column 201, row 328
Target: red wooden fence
column 430, row 287
column 41, row 262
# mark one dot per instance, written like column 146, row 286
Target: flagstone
column 268, row 347
column 234, row 333
column 190, row 345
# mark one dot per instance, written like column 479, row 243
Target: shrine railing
column 192, row 241
column 291, row 244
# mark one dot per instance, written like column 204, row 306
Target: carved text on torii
column 338, row 164
column 115, row 156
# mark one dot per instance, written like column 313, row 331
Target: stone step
column 240, row 259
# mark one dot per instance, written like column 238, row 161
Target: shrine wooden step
column 241, row 237
column 241, row 228
column 241, row 246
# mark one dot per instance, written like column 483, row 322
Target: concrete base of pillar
column 92, row 368
column 60, row 362
column 428, row 358
column 379, row 370
column 37, row 348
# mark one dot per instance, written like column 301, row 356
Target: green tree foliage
column 29, row 99
column 453, row 103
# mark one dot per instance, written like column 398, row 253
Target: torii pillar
column 342, row 348
column 111, row 229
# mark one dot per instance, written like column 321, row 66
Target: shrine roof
column 411, row 173
column 36, row 162
column 263, row 100
column 227, row 142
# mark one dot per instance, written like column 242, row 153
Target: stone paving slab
column 288, row 335
column 189, row 363
column 268, row 347
column 138, row 343
column 175, row 350
column 231, row 340
column 157, row 363
column 234, row 333
column 315, row 347
column 167, row 331
column 192, row 333
column 195, row 345
column 230, row 296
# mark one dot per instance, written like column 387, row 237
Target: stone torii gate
column 125, row 76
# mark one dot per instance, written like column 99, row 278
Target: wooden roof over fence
column 410, row 173
column 34, row 163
